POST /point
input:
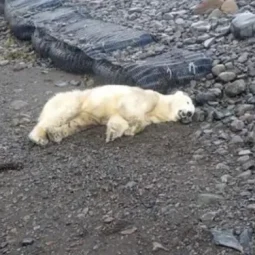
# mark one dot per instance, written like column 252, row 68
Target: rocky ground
column 174, row 189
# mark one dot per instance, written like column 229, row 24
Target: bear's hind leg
column 58, row 111
column 57, row 134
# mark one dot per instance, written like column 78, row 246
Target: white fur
column 123, row 109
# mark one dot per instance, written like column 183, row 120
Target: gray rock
column 226, row 238
column 225, row 178
column 27, row 241
column 222, row 166
column 243, row 25
column 223, row 30
column 250, row 99
column 216, row 91
column 246, row 240
column 243, row 108
column 251, row 207
column 130, row 184
column 180, row 21
column 20, row 121
column 217, row 69
column 209, row 216
column 108, row 219
column 178, row 13
column 214, row 23
column 200, row 26
column 19, row 67
column 252, row 88
column 205, row 97
column 135, row 9
column 168, row 16
column 207, row 198
column 129, row 231
column 199, row 115
column 158, row 246
column 223, row 135
column 189, row 41
column 248, row 165
column 237, row 125
column 89, row 82
column 249, row 119
column 209, row 42
column 4, row 62
column 202, row 38
column 132, row 16
column 194, row 47
column 198, row 157
column 229, row 66
column 251, row 181
column 216, row 13
column 243, row 159
column 18, row 104
column 218, row 115
column 227, row 76
column 75, row 83
column 245, row 174
column 221, row 187
column 243, row 58
column 157, row 24
column 61, row 83
column 167, row 209
column 3, row 245
column 251, row 69
column 235, row 88
column 83, row 213
column 251, row 137
column 245, row 194
column 244, row 152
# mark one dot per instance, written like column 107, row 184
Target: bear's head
column 182, row 107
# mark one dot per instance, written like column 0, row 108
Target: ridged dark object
column 77, row 43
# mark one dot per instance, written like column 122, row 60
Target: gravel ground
column 163, row 192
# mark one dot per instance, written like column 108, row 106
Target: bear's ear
column 178, row 93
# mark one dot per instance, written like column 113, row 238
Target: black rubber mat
column 76, row 42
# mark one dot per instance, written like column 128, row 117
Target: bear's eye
column 187, row 102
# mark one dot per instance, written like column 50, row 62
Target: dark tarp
column 76, row 42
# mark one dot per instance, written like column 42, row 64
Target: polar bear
column 124, row 110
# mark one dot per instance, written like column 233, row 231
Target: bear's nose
column 189, row 113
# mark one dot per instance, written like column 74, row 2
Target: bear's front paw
column 112, row 134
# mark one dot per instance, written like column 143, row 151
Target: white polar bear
column 125, row 110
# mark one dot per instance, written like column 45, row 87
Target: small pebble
column 27, row 241
column 61, row 83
